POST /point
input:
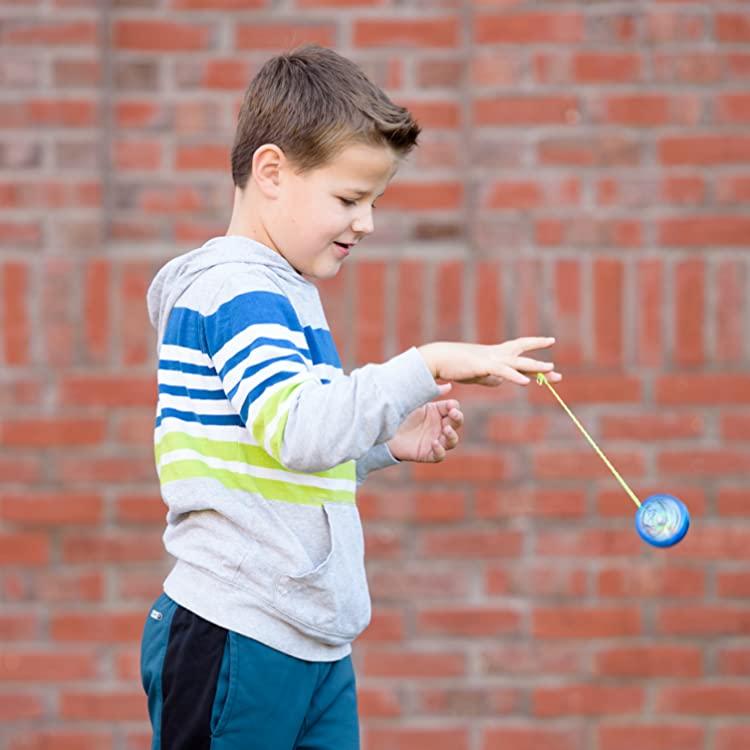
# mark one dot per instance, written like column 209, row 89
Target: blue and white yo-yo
column 662, row 520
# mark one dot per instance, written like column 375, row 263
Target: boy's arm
column 306, row 423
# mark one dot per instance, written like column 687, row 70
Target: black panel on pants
column 189, row 675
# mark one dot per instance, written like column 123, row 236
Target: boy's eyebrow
column 364, row 192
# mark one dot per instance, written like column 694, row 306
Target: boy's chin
column 323, row 271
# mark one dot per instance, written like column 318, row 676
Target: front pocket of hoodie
column 331, row 602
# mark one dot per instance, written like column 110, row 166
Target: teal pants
column 213, row 689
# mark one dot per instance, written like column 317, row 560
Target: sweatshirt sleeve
column 305, row 422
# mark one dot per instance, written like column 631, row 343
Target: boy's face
column 329, row 205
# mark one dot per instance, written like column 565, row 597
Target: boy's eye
column 347, row 202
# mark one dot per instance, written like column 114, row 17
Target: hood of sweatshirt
column 178, row 274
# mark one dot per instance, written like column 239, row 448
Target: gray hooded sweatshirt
column 260, row 443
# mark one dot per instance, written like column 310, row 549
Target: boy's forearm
column 340, row 421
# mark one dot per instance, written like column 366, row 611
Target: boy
column 260, row 438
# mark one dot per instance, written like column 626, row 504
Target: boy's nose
column 364, row 223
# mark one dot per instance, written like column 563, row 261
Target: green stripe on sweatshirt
column 251, row 455
column 270, row 489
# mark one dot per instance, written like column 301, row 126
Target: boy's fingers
column 534, row 342
column 533, row 365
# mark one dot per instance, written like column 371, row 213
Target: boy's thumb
column 444, row 388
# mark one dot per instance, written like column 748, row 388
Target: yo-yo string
column 542, row 380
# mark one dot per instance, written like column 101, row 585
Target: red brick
column 51, row 508
column 431, row 507
column 589, row 543
column 531, row 738
column 732, row 584
column 134, row 155
column 407, row 583
column 608, row 312
column 15, row 313
column 585, row 622
column 444, row 738
column 732, row 738
column 734, row 661
column 644, row 581
column 202, row 157
column 103, row 390
column 475, row 467
column 532, row 659
column 528, row 28
column 515, row 195
column 378, row 703
column 45, row 666
column 160, row 36
column 703, row 620
column 687, row 67
column 733, row 502
column 413, row 664
column 410, row 304
column 434, row 32
column 73, row 33
column 266, row 36
column 501, row 111
column 652, row 427
column 449, row 300
column 733, row 27
column 537, row 580
column 704, row 462
column 434, row 114
column 689, row 312
column 704, row 700
column 651, row 737
column 488, row 297
column 17, row 706
column 703, row 149
column 728, row 231
column 470, row 544
column 385, row 626
column 539, row 503
column 650, row 661
column 415, row 196
column 674, row 26
column 586, row 700
column 113, row 547
column 25, row 549
column 103, row 706
column 585, row 465
column 96, row 309
column 606, row 67
column 710, row 389
column 96, row 627
column 45, row 433
column 468, row 621
column 467, row 701
column 217, row 5
column 731, row 278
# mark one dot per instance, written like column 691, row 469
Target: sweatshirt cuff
column 407, row 381
column 378, row 457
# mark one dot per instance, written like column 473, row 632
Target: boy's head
column 316, row 143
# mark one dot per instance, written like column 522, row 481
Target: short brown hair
column 312, row 102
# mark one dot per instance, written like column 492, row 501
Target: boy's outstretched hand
column 429, row 432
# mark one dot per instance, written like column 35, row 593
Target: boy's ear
column 267, row 163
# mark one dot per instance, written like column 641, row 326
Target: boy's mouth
column 346, row 246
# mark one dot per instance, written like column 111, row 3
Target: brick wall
column 584, row 172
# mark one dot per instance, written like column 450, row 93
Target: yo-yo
column 662, row 520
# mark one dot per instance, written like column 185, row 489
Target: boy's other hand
column 429, row 432
column 488, row 364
